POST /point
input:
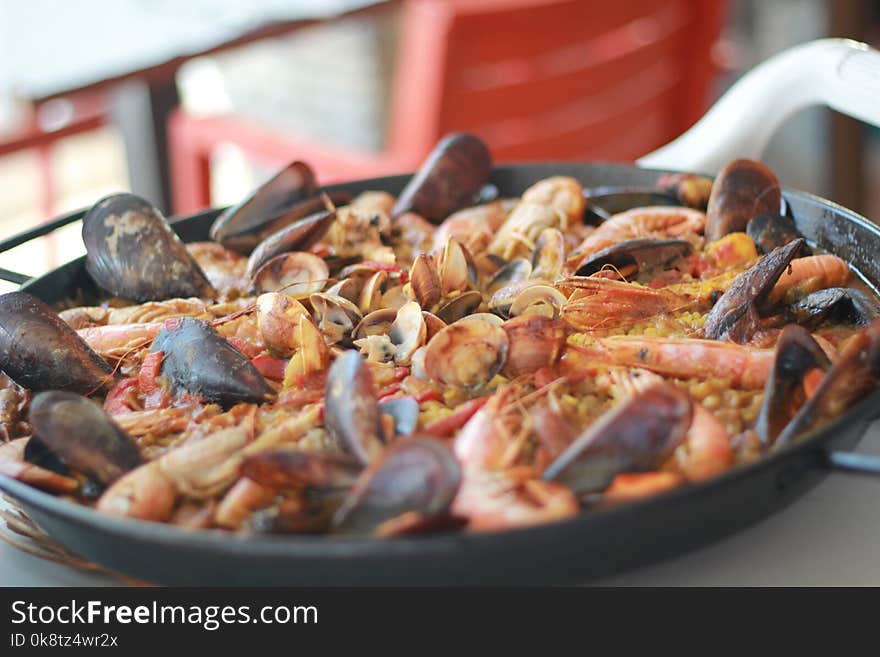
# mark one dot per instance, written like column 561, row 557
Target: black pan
column 594, row 544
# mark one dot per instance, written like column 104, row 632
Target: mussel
column 449, row 179
column 735, row 314
column 855, row 374
column 796, row 354
column 843, row 305
column 743, row 189
column 351, row 412
column 286, row 468
column 39, row 351
column 298, row 236
column 634, row 255
column 770, row 231
column 418, row 476
column 199, row 360
column 132, row 252
column 83, row 436
column 637, row 435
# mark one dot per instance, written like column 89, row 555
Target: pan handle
column 867, row 464
column 31, row 234
column 840, row 73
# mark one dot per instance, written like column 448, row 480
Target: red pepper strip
column 116, row 402
column 271, row 368
column 388, row 391
column 248, row 349
column 455, row 420
column 150, row 368
column 429, row 395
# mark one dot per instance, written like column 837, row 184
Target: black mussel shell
column 637, row 435
column 40, row 352
column 351, row 412
column 199, row 360
column 743, row 189
column 83, row 436
column 133, row 253
column 770, row 231
column 298, row 236
column 448, row 180
column 416, row 475
column 843, row 305
column 237, row 226
column 643, row 253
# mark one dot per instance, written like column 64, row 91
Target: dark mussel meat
column 841, row 305
column 637, row 254
column 284, row 469
column 199, row 360
column 448, row 180
column 735, row 315
column 133, row 253
column 237, row 227
column 742, row 190
column 83, row 436
column 637, row 435
column 855, row 374
column 40, row 352
column 796, row 354
column 770, row 231
column 351, row 412
column 298, row 236
column 604, row 202
column 417, row 477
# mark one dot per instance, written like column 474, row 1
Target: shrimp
column 596, row 299
column 12, row 464
column 658, row 222
column 706, row 451
column 806, row 275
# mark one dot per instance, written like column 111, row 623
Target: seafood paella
column 446, row 360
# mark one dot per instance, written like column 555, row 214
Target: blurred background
column 191, row 104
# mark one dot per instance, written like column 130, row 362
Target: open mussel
column 630, row 256
column 770, row 231
column 298, row 236
column 83, row 436
column 39, row 351
column 743, row 190
column 637, row 435
column 449, row 179
column 132, row 252
column 842, row 305
column 735, row 315
column 351, row 412
column 417, row 477
column 200, row 361
column 796, row 354
column 855, row 374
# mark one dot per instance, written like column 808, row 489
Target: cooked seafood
column 368, row 365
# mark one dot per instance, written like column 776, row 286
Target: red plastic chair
column 537, row 79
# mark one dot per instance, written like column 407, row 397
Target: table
column 829, row 537
column 49, row 49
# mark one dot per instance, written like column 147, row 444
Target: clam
column 538, row 299
column 535, row 341
column 297, row 274
column 460, row 306
column 456, row 268
column 408, row 332
column 466, row 354
column 198, row 360
column 277, row 321
column 132, row 252
column 424, row 278
column 448, row 180
column 548, row 257
column 335, row 316
column 40, row 352
column 83, row 436
column 743, row 190
column 514, row 271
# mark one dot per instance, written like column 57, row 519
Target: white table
column 830, row 537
